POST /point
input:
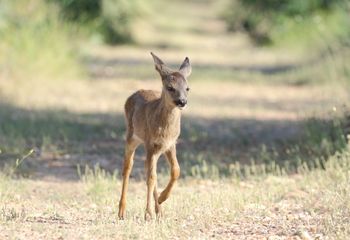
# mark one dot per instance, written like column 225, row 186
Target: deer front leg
column 151, row 177
column 130, row 147
column 157, row 206
column 175, row 173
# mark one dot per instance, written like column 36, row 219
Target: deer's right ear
column 160, row 66
column 186, row 68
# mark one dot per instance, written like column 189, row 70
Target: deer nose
column 181, row 102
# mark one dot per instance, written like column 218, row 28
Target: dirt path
column 195, row 31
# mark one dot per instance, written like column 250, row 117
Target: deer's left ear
column 160, row 66
column 186, row 68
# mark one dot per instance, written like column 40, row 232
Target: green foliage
column 291, row 7
column 321, row 139
column 80, row 10
column 111, row 19
column 35, row 43
column 39, row 38
column 270, row 21
column 324, row 138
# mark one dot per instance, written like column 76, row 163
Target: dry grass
column 274, row 207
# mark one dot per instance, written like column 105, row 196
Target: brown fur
column 153, row 118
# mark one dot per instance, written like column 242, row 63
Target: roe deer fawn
column 153, row 118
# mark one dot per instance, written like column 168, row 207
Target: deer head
column 175, row 87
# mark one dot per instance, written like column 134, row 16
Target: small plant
column 13, row 169
column 11, row 214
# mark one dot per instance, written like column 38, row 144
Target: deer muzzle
column 180, row 102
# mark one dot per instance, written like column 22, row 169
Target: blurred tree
column 260, row 18
column 109, row 18
column 80, row 10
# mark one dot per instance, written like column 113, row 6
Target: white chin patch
column 181, row 108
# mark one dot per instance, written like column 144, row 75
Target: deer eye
column 170, row 89
column 187, row 89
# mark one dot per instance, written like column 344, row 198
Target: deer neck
column 168, row 114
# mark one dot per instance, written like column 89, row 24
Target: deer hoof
column 121, row 215
column 159, row 212
column 148, row 215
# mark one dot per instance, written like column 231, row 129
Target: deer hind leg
column 131, row 145
column 151, row 178
column 175, row 173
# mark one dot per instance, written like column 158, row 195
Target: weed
column 11, row 169
column 11, row 214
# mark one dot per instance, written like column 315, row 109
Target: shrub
column 266, row 21
column 111, row 19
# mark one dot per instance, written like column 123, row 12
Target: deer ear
column 160, row 66
column 186, row 68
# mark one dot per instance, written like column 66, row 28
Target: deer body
column 153, row 119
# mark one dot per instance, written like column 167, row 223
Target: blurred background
column 269, row 84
